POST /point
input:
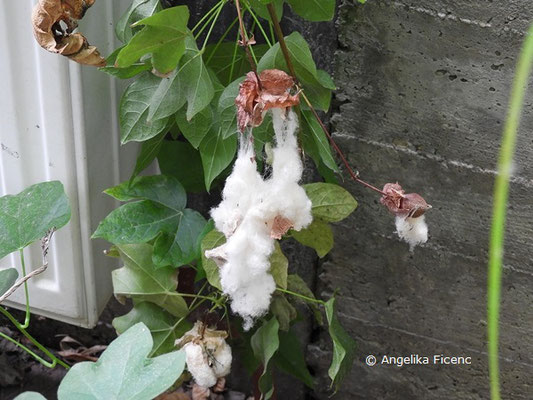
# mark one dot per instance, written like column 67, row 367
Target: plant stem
column 54, row 359
column 26, row 293
column 501, row 192
column 215, row 18
column 249, row 9
column 290, row 66
column 30, row 352
column 309, row 299
column 221, row 40
column 245, row 42
column 207, row 15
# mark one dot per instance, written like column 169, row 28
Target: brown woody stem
column 290, row 66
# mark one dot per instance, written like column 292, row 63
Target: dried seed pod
column 272, row 90
column 47, row 17
column 410, row 205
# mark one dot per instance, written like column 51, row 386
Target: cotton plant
column 256, row 211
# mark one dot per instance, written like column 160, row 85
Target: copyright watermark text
column 417, row 359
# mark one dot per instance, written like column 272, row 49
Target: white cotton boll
column 237, row 194
column 198, row 366
column 222, row 355
column 412, row 230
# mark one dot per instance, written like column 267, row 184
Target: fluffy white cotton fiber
column 412, row 230
column 246, row 217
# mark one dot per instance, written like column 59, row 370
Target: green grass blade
column 501, row 191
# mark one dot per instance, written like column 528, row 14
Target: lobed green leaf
column 265, row 343
column 331, row 203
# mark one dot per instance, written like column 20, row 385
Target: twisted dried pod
column 53, row 24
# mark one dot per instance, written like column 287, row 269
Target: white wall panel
column 58, row 121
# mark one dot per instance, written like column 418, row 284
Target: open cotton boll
column 240, row 192
column 412, row 230
column 198, row 366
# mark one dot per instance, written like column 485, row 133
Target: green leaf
column 182, row 161
column 314, row 10
column 265, row 343
column 343, row 347
column 30, row 396
column 317, row 85
column 138, row 10
column 297, row 285
column 226, row 109
column 331, row 203
column 8, row 277
column 148, row 153
column 220, row 58
column 197, row 128
column 124, row 73
column 259, row 7
column 311, row 125
column 162, row 189
column 167, row 99
column 279, row 265
column 211, row 240
column 164, row 327
column 217, row 154
column 160, row 213
column 318, row 235
column 290, row 358
column 196, row 80
column 134, row 109
column 283, row 311
column 163, row 37
column 124, row 371
column 141, row 280
column 29, row 215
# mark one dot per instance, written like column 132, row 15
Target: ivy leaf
column 163, row 36
column 283, row 311
column 217, row 154
column 148, row 153
column 317, row 85
column 311, row 125
column 318, row 235
column 27, row 216
column 343, row 347
column 171, row 159
column 124, row 73
column 314, row 10
column 124, row 371
column 211, row 240
column 8, row 277
column 163, row 326
column 162, row 189
column 290, row 358
column 331, row 203
column 297, row 285
column 279, row 265
column 138, row 10
column 141, row 280
column 30, row 396
column 265, row 343
column 134, row 109
column 160, row 213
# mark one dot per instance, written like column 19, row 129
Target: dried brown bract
column 410, row 205
column 272, row 90
column 280, row 226
column 53, row 24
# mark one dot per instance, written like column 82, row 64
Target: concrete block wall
column 423, row 90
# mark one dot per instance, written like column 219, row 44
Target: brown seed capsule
column 408, row 205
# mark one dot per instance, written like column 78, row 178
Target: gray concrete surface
column 423, row 89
